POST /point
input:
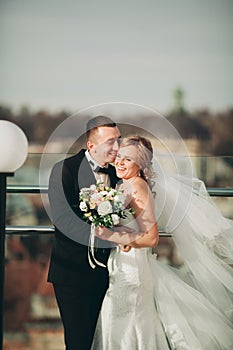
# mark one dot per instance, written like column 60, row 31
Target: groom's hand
column 125, row 248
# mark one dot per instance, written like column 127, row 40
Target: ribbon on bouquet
column 91, row 250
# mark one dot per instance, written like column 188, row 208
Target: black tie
column 103, row 170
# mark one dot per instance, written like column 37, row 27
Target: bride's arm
column 143, row 204
column 149, row 239
column 142, row 201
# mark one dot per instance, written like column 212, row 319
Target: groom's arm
column 64, row 204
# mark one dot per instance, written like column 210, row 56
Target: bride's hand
column 104, row 232
column 100, row 231
column 118, row 234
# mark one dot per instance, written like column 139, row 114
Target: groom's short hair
column 96, row 122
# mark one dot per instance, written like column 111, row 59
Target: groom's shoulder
column 70, row 162
column 72, row 159
column 78, row 157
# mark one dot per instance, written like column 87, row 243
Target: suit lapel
column 85, row 175
column 113, row 178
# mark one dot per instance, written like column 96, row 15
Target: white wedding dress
column 149, row 304
column 128, row 318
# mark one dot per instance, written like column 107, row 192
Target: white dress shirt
column 104, row 178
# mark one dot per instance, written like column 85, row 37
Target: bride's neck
column 131, row 179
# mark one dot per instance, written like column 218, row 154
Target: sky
column 64, row 54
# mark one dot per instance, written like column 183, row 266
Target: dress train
column 191, row 322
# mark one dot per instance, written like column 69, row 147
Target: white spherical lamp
column 13, row 147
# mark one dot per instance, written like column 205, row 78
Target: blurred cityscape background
column 58, row 57
column 31, row 316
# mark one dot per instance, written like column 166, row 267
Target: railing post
column 3, row 177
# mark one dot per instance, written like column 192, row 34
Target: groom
column 80, row 289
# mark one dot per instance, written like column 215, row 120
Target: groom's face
column 103, row 144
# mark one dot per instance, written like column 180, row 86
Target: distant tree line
column 216, row 128
column 38, row 126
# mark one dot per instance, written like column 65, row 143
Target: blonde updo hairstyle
column 145, row 155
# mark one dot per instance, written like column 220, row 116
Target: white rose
column 93, row 187
column 115, row 219
column 104, row 208
column 83, row 206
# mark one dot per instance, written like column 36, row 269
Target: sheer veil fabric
column 192, row 308
column 196, row 306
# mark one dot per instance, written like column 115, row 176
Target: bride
column 148, row 304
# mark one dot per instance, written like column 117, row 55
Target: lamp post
column 13, row 153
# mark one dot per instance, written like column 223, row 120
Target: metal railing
column 29, row 189
column 30, row 230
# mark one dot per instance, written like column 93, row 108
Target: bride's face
column 126, row 162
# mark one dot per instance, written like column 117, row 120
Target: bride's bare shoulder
column 140, row 187
column 142, row 198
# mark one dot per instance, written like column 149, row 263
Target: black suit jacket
column 69, row 259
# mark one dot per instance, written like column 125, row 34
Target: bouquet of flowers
column 103, row 205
